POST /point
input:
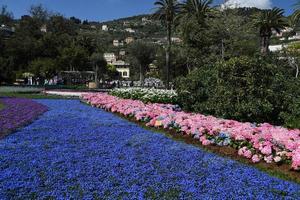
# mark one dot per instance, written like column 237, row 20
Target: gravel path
column 78, row 152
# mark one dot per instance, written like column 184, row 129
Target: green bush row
column 147, row 95
column 246, row 89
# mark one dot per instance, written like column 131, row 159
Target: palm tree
column 197, row 9
column 193, row 11
column 166, row 11
column 296, row 14
column 268, row 21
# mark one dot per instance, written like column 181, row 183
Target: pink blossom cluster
column 255, row 142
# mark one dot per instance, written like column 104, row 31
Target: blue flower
column 79, row 152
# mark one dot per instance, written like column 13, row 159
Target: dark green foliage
column 143, row 54
column 43, row 67
column 246, row 89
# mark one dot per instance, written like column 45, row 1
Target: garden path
column 77, row 151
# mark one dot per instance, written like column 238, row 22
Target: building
column 129, row 40
column 44, row 29
column 6, row 31
column 146, row 21
column 118, row 43
column 104, row 27
column 176, row 40
column 123, row 68
column 283, row 32
column 110, row 57
column 295, row 37
column 122, row 53
column 130, row 30
column 126, row 23
column 275, row 48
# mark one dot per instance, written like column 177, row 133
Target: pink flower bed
column 262, row 142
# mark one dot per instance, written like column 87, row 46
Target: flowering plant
column 262, row 142
column 146, row 94
column 18, row 112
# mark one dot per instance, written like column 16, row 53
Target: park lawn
column 31, row 95
column 1, row 106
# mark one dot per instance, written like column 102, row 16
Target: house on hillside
column 126, row 23
column 117, row 43
column 6, row 31
column 176, row 40
column 129, row 40
column 110, row 57
column 123, row 68
column 130, row 30
column 122, row 53
column 44, row 28
column 105, row 28
column 283, row 32
column 276, row 48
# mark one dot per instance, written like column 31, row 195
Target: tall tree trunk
column 222, row 49
column 142, row 77
column 265, row 43
column 97, row 76
column 168, row 54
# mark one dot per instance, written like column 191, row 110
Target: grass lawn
column 31, row 95
column 1, row 106
column 26, row 92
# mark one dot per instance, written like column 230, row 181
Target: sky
column 104, row 10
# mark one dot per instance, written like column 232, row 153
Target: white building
column 274, row 48
column 123, row 68
column 110, row 57
column 44, row 29
column 118, row 43
column 122, row 53
column 104, row 27
column 130, row 30
column 176, row 40
column 129, row 40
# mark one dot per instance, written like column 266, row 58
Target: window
column 125, row 74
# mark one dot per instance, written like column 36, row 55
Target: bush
column 146, row 95
column 245, row 89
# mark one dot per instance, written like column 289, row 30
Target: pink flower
column 267, row 150
column 255, row 158
column 296, row 159
column 277, row 159
column 268, row 159
column 206, row 142
column 248, row 154
column 264, row 138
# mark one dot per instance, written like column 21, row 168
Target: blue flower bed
column 76, row 151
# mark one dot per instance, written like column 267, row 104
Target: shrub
column 243, row 88
column 147, row 95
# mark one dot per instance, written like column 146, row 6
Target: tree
column 293, row 56
column 99, row 65
column 192, row 11
column 43, row 68
column 166, row 12
column 39, row 13
column 296, row 13
column 75, row 20
column 57, row 24
column 268, row 21
column 6, row 17
column 197, row 9
column 75, row 57
column 144, row 54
